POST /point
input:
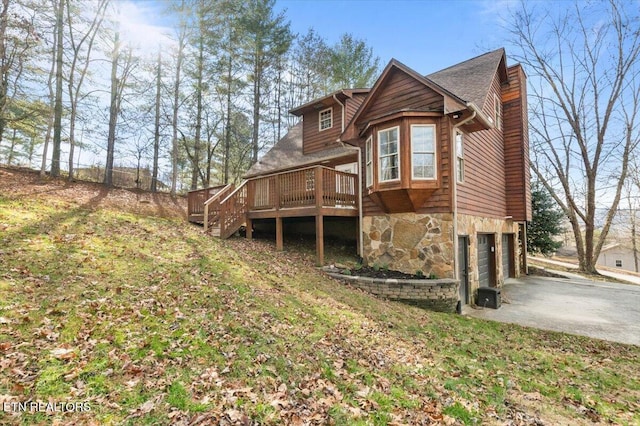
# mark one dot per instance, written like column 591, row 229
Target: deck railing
column 233, row 210
column 213, row 205
column 313, row 186
column 196, row 199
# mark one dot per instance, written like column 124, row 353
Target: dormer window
column 389, row 157
column 326, row 119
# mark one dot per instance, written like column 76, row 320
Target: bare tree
column 80, row 62
column 57, row 109
column 583, row 66
column 181, row 36
column 122, row 65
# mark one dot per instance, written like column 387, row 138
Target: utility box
column 489, row 297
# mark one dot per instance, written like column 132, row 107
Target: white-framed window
column 369, row 161
column 389, row 154
column 618, row 263
column 460, row 156
column 497, row 111
column 423, row 151
column 325, row 119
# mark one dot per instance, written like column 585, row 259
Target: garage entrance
column 507, row 256
column 463, row 268
column 486, row 260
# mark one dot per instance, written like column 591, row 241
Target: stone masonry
column 435, row 295
column 471, row 226
column 410, row 242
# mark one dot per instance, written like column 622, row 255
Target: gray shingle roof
column 470, row 80
column 287, row 154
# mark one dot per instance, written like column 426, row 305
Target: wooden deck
column 308, row 192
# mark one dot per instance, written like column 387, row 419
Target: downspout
column 455, row 193
column 360, row 216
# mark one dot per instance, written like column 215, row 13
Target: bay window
column 388, row 154
column 423, row 154
column 369, row 161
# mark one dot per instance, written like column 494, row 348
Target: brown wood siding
column 441, row 200
column 483, row 191
column 352, row 105
column 401, row 92
column 314, row 140
column 516, row 146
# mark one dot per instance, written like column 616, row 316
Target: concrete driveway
column 573, row 305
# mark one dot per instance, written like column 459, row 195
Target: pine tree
column 546, row 222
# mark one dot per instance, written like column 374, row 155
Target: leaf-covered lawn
column 148, row 321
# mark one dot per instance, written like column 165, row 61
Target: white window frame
column 497, row 111
column 320, row 119
column 397, row 154
column 434, row 153
column 459, row 156
column 618, row 263
column 368, row 148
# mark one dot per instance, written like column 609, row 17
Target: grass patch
column 156, row 323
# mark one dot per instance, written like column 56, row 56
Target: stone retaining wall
column 409, row 242
column 436, row 295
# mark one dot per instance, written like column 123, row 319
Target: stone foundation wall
column 409, row 242
column 434, row 295
column 472, row 226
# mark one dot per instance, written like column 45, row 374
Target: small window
column 460, row 156
column 388, row 152
column 326, row 119
column 369, row 161
column 423, row 151
column 618, row 263
column 497, row 107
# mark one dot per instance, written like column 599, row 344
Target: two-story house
column 434, row 171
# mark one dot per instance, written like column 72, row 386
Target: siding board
column 313, row 139
column 516, row 146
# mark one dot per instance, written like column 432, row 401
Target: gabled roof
column 471, row 80
column 287, row 154
column 446, row 83
column 327, row 100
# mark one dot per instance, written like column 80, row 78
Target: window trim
column 330, row 109
column 368, row 161
column 459, row 156
column 434, row 153
column 497, row 111
column 379, row 157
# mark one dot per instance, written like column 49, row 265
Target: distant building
column 617, row 256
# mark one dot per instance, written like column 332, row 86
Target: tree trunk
column 57, row 121
column 47, row 139
column 4, row 89
column 174, row 124
column 227, row 130
column 156, row 136
column 196, row 145
column 257, row 75
column 113, row 112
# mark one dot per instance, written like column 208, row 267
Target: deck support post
column 319, row 240
column 206, row 217
column 249, row 223
column 279, row 241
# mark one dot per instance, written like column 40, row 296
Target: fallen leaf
column 63, row 353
